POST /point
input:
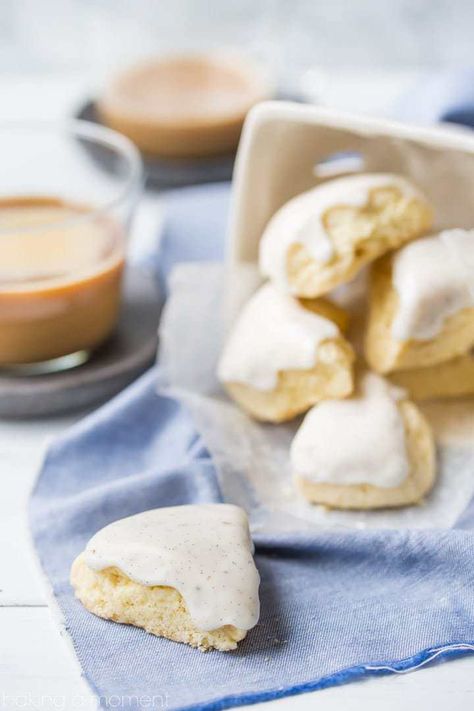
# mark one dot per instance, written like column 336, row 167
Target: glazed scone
column 373, row 450
column 323, row 237
column 282, row 357
column 183, row 572
column 453, row 378
column 422, row 303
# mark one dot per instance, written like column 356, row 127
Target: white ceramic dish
column 285, row 147
column 284, row 150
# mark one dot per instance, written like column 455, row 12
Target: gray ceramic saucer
column 164, row 174
column 129, row 352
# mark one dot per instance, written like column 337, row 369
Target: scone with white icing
column 323, row 237
column 184, row 572
column 453, row 378
column 283, row 355
column 422, row 303
column 373, row 450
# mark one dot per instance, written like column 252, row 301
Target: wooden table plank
column 37, row 669
column 22, row 445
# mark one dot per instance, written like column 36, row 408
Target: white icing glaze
column 360, row 440
column 203, row 551
column 300, row 220
column 273, row 333
column 434, row 279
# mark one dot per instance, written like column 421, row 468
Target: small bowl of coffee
column 67, row 194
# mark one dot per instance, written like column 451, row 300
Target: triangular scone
column 184, row 572
column 283, row 355
column 323, row 237
column 370, row 451
column 422, row 303
column 453, row 378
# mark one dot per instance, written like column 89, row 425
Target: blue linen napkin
column 335, row 606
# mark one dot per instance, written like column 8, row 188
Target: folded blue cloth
column 335, row 606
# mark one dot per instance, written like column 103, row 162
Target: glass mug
column 67, row 194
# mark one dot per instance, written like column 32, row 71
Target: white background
column 290, row 35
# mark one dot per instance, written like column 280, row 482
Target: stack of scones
column 363, row 443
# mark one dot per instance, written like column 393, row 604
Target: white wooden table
column 38, row 670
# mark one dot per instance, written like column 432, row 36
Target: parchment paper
column 252, row 459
